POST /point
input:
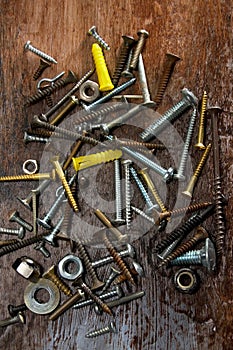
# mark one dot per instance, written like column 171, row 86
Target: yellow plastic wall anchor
column 101, row 69
column 84, row 162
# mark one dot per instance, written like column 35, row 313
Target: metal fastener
column 28, row 46
column 52, row 275
column 130, row 252
column 111, row 328
column 19, row 318
column 14, row 310
column 20, row 233
column 114, row 273
column 200, row 137
column 142, row 36
column 103, row 218
column 92, row 31
column 43, row 65
column 15, row 217
column 51, row 237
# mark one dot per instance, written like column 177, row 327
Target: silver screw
column 14, row 232
column 144, row 215
column 205, row 257
column 28, row 46
column 188, row 100
column 19, row 318
column 118, row 192
column 15, row 217
column 92, row 31
column 126, row 163
column 143, row 83
column 167, row 251
column 111, row 328
column 183, row 160
column 114, row 273
column 33, row 138
column 41, row 247
column 130, row 251
column 50, row 238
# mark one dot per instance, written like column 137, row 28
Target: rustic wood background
column 200, row 32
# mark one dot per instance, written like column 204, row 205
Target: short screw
column 20, row 233
column 126, row 163
column 32, row 138
column 43, row 65
column 51, row 275
column 28, row 46
column 200, row 137
column 118, row 192
column 188, row 100
column 19, row 318
column 111, row 328
column 114, row 273
column 15, row 217
column 142, row 214
column 92, row 31
column 205, row 257
column 66, row 305
column 14, row 310
column 143, row 83
column 142, row 36
column 51, row 237
column 129, row 252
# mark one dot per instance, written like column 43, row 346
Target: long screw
column 103, row 218
column 114, row 273
column 200, row 137
column 184, row 156
column 111, row 328
column 199, row 235
column 116, row 292
column 142, row 36
column 130, row 252
column 20, row 233
column 20, row 244
column 51, row 275
column 19, row 318
column 15, row 217
column 189, row 190
column 188, row 100
column 27, row 177
column 118, row 192
column 28, row 46
column 126, row 163
column 43, row 65
column 143, row 83
column 142, row 214
column 169, row 65
column 93, row 32
column 33, row 138
column 66, row 305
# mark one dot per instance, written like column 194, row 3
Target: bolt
column 19, row 318
column 41, row 247
column 188, row 100
column 51, row 237
column 51, row 275
column 111, row 328
column 130, row 251
column 200, row 136
column 114, row 273
column 118, row 193
column 28, row 46
column 20, row 233
column 92, row 31
column 105, row 83
column 143, row 83
column 142, row 36
column 189, row 190
column 126, row 163
column 43, row 65
column 14, row 310
column 184, row 157
column 27, row 201
column 15, row 217
column 32, row 138
column 205, row 257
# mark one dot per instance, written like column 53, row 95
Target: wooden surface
column 200, row 32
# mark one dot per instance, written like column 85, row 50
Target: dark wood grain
column 200, row 32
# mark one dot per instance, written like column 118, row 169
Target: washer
column 33, row 304
column 63, row 267
column 89, row 86
column 30, row 162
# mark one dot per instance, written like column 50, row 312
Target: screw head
column 92, row 30
column 127, row 162
column 143, row 32
column 104, row 127
column 21, row 318
column 21, row 233
column 168, row 175
column 188, row 95
column 26, row 46
column 128, row 40
column 209, row 255
column 14, row 215
column 131, row 250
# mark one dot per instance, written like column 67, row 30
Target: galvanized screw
column 111, row 328
column 126, row 163
column 142, row 214
column 19, row 318
column 51, row 237
column 28, row 46
column 118, row 192
column 127, row 73
column 20, row 233
column 143, row 83
column 32, row 138
column 92, row 31
column 15, row 217
column 142, row 36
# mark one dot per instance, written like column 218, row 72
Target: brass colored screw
column 43, row 65
column 65, row 110
column 36, row 177
column 65, row 184
column 51, row 275
column 189, row 190
column 77, row 145
column 108, row 224
column 200, row 137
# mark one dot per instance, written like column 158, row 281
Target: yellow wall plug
column 84, row 162
column 101, row 69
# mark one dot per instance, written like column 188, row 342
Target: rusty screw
column 142, row 36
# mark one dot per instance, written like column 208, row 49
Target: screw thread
column 98, row 332
column 144, row 215
column 20, row 244
column 141, row 187
column 14, row 310
column 127, row 73
column 69, row 193
column 192, row 257
column 96, row 299
column 98, row 38
column 7, row 242
column 138, row 49
column 200, row 137
column 43, row 65
column 39, row 53
column 87, row 302
column 49, row 101
column 143, row 144
column 219, row 216
column 202, row 161
column 36, row 177
column 59, row 283
column 34, row 138
column 190, row 209
column 9, row 231
column 127, row 196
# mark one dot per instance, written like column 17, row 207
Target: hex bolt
column 20, row 233
column 126, row 164
column 52, row 276
column 188, row 101
column 200, row 137
column 19, row 318
column 28, row 46
column 93, row 32
column 111, row 328
column 205, row 257
column 43, row 65
column 143, row 83
column 167, row 174
column 184, row 156
column 51, row 237
column 32, row 138
column 118, row 192
column 14, row 310
column 142, row 36
column 169, row 64
column 15, row 217
column 114, row 273
column 41, row 247
column 27, row 201
column 129, row 252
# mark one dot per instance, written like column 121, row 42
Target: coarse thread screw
column 143, row 83
column 103, row 218
column 199, row 235
column 7, row 242
column 188, row 100
column 105, row 83
column 92, row 31
column 20, row 244
column 142, row 214
column 43, row 65
column 15, row 217
column 52, row 276
column 14, row 310
column 111, row 328
column 19, row 318
column 205, row 257
column 142, row 36
column 20, row 233
column 27, row 177
column 28, row 46
column 126, row 163
column 118, row 192
column 51, row 237
column 130, row 252
column 169, row 64
column 125, row 48
column 200, row 137
column 33, row 138
column 184, row 156
column 189, row 190
column 116, row 292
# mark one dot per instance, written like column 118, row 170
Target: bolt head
column 209, row 256
column 21, row 233
column 26, row 46
column 128, row 40
column 143, row 32
column 127, row 74
column 188, row 95
column 92, row 30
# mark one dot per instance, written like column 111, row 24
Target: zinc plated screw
column 189, row 190
column 144, row 215
column 51, row 237
column 200, row 137
column 33, row 138
column 205, row 256
column 19, row 318
column 126, row 72
column 183, row 160
column 52, row 275
column 114, row 273
column 14, row 310
column 143, row 83
column 41, row 247
column 129, row 252
column 188, row 100
column 118, row 192
column 15, row 217
column 126, row 164
column 111, row 328
column 43, row 65
column 28, row 46
column 65, row 110
column 20, row 233
column 92, row 31
column 142, row 36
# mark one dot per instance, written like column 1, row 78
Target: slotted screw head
column 92, row 30
column 143, row 32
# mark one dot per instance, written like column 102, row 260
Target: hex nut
column 63, row 267
column 89, row 91
column 186, row 281
column 28, row 268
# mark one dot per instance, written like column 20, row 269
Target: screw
column 118, row 192
column 142, row 36
column 27, row 201
column 51, row 237
column 32, row 138
column 20, row 233
column 66, row 305
column 189, row 190
column 183, row 160
column 144, row 215
column 130, row 251
column 14, row 310
column 19, row 318
column 188, row 100
column 199, row 235
column 34, row 177
column 170, row 62
column 167, row 251
column 126, row 163
column 92, row 31
column 114, row 273
column 111, row 328
column 128, row 42
column 51, row 275
column 205, row 257
column 200, row 137
column 104, row 79
column 43, row 65
column 19, row 245
column 41, row 247
column 65, row 110
column 143, row 83
column 28, row 46
column 127, row 73
column 15, row 217
column 108, row 224
column 7, row 242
